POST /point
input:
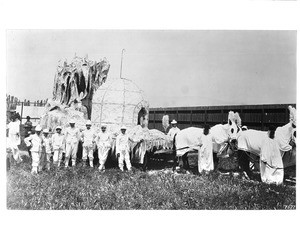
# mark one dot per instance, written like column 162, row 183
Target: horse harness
column 252, row 160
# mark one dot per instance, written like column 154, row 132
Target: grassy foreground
column 86, row 188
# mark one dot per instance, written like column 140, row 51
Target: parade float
column 82, row 91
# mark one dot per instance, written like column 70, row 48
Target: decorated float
column 82, row 91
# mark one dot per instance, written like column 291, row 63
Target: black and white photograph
column 103, row 120
column 170, row 120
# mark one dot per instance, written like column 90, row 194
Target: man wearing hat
column 174, row 130
column 35, row 141
column 72, row 138
column 103, row 141
column 88, row 140
column 58, row 145
column 122, row 149
column 47, row 146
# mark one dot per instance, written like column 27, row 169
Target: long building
column 253, row 116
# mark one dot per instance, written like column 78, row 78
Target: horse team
column 230, row 138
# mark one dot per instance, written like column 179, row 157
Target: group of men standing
column 43, row 144
column 66, row 143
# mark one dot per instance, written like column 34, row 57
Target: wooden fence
column 12, row 103
column 253, row 116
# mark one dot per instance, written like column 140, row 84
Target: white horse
column 187, row 139
column 250, row 142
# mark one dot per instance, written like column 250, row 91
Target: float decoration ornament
column 74, row 86
column 79, row 79
column 82, row 91
column 293, row 114
column 165, row 122
column 117, row 102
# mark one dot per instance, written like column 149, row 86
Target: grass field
column 86, row 188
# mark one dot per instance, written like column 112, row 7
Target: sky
column 173, row 68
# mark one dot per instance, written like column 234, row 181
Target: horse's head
column 293, row 116
column 234, row 122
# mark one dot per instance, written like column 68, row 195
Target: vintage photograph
column 151, row 119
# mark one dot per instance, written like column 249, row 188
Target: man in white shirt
column 174, row 130
column 122, row 149
column 88, row 140
column 72, row 136
column 103, row 141
column 35, row 141
column 58, row 144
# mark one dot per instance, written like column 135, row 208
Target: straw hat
column 46, row 131
column 38, row 128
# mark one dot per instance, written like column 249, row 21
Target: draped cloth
column 205, row 153
column 187, row 140
column 13, row 139
column 283, row 136
column 159, row 139
column 137, row 134
column 252, row 140
column 220, row 136
column 271, row 165
column 13, row 134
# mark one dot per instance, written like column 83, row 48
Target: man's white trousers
column 71, row 152
column 124, row 157
column 88, row 151
column 102, row 155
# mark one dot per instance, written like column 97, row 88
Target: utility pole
column 121, row 63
